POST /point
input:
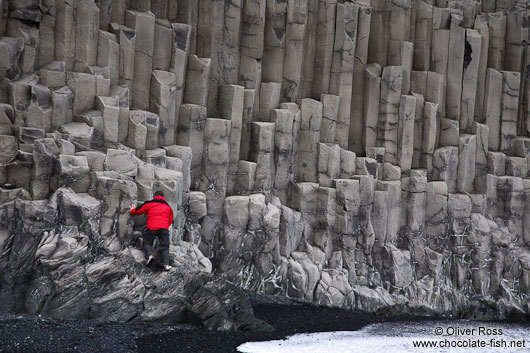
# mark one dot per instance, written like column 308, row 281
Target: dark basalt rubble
column 53, row 268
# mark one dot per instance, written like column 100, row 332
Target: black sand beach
column 21, row 333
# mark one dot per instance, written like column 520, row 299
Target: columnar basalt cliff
column 369, row 154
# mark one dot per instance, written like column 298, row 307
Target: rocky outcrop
column 367, row 155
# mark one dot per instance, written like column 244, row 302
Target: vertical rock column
column 310, row 123
column 516, row 38
column 327, row 10
column 497, row 35
column 109, row 55
column 439, row 53
column 294, row 50
column 197, row 81
column 250, row 63
column 510, row 107
column 492, row 107
column 310, row 43
column 87, row 28
column 213, row 179
column 274, row 41
column 418, row 130
column 122, row 94
column 387, row 133
column 341, row 78
column 252, row 28
column 430, row 131
column 400, row 50
column 371, row 99
column 180, row 47
column 262, row 152
column 355, row 140
column 188, row 13
column 248, row 117
column 283, row 152
column 127, row 39
column 190, row 133
column 379, row 32
column 455, row 66
column 445, row 166
column 65, row 31
column 163, row 102
column 405, row 137
column 210, row 31
column 110, row 110
column 423, row 37
column 481, row 158
column 467, row 150
column 328, row 131
column 162, row 44
column 231, row 99
column 481, row 25
column 231, row 42
column 144, row 25
column 46, row 32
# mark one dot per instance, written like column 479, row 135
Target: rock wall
column 370, row 154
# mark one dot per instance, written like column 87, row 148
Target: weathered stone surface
column 231, row 99
column 493, row 107
column 445, row 166
column 143, row 23
column 310, row 122
column 368, row 155
column 214, row 174
column 163, row 102
column 72, row 172
column 405, row 140
column 467, row 150
column 341, row 78
column 388, row 123
column 86, row 36
column 197, row 81
column 372, row 96
column 83, row 87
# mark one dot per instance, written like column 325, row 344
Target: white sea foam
column 399, row 337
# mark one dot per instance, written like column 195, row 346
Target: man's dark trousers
column 163, row 238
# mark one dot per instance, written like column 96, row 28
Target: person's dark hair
column 159, row 193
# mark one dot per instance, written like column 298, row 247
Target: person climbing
column 159, row 218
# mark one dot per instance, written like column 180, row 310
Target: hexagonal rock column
column 297, row 13
column 283, row 152
column 231, row 99
column 445, row 166
column 405, row 138
column 190, row 132
column 274, row 41
column 143, row 23
column 388, row 124
column 310, row 123
column 341, row 78
column 213, row 179
column 163, row 101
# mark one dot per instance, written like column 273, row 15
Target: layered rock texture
column 370, row 154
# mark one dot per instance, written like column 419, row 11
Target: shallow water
column 399, row 337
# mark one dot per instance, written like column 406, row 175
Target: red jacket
column 159, row 213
